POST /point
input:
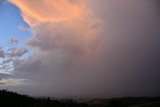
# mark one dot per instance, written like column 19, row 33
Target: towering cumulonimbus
column 52, row 16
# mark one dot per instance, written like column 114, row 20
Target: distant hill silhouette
column 13, row 99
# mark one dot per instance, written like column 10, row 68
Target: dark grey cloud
column 12, row 52
column 131, row 46
column 2, row 54
column 15, row 52
column 6, row 61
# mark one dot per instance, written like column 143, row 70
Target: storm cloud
column 93, row 48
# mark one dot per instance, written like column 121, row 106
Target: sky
column 80, row 48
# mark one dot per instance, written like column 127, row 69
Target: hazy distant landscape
column 12, row 99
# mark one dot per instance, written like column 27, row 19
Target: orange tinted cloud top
column 35, row 12
column 73, row 16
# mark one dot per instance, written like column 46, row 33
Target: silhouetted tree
column 115, row 103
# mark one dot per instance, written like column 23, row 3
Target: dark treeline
column 13, row 99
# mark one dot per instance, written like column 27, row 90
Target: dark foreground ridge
column 12, row 99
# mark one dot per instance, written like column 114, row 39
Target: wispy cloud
column 3, row 2
column 14, row 52
column 14, row 41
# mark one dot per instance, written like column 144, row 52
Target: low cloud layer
column 91, row 48
column 11, row 82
